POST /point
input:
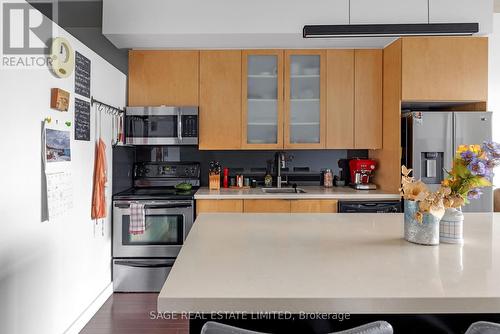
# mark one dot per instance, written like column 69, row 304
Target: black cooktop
column 165, row 193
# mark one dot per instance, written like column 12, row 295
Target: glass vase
column 422, row 233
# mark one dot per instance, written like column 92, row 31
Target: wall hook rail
column 108, row 109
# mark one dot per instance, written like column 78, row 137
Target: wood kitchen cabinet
column 313, row 206
column 426, row 69
column 266, row 206
column 340, row 99
column 368, row 99
column 354, row 99
column 444, row 69
column 219, row 205
column 163, row 78
column 220, row 100
column 262, row 99
column 305, row 99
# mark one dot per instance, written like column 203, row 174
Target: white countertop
column 356, row 263
column 312, row 192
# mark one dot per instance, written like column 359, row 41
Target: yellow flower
column 475, row 148
column 446, row 183
column 462, row 148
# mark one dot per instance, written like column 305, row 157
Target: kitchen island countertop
column 312, row 192
column 356, row 263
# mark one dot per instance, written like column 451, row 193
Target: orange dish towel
column 100, row 180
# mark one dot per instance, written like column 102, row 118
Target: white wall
column 51, row 271
column 494, row 82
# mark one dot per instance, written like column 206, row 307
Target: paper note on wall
column 59, row 194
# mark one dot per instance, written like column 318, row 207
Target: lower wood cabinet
column 219, row 205
column 313, row 206
column 266, row 206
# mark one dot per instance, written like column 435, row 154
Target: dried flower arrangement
column 472, row 170
column 429, row 202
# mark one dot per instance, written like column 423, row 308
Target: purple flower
column 474, row 194
column 468, row 155
column 477, row 167
column 492, row 149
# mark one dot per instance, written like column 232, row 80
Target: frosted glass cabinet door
column 305, row 99
column 262, row 99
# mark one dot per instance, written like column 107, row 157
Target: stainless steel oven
column 167, row 224
column 140, row 275
column 161, row 125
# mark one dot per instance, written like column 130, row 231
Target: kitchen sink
column 283, row 190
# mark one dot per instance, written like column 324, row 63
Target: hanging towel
column 137, row 223
column 100, row 179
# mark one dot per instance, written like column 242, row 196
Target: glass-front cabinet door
column 262, row 99
column 305, row 99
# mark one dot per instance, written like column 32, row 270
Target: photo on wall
column 57, row 145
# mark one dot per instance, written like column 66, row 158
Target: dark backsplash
column 249, row 161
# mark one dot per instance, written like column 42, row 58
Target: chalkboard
column 82, row 75
column 82, row 120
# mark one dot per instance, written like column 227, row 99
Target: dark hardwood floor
column 129, row 313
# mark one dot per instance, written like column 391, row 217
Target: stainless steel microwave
column 161, row 125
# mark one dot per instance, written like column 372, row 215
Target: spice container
column 328, row 178
column 239, row 181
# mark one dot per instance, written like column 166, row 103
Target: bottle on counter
column 328, row 178
column 226, row 178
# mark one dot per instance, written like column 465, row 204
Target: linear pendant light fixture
column 390, row 30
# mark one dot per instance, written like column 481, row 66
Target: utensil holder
column 214, row 181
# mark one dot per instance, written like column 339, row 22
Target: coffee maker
column 362, row 171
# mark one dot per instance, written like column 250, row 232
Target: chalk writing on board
column 82, row 75
column 82, row 120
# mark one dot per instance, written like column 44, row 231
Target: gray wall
column 316, row 160
column 83, row 19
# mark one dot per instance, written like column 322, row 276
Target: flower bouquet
column 423, row 209
column 472, row 170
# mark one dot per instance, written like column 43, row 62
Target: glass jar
column 328, row 178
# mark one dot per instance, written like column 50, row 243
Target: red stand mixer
column 362, row 171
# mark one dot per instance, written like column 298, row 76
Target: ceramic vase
column 422, row 233
column 451, row 227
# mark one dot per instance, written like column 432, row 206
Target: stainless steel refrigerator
column 429, row 140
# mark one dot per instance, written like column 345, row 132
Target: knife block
column 214, row 181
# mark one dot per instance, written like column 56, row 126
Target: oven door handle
column 142, row 264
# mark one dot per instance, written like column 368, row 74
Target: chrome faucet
column 280, row 163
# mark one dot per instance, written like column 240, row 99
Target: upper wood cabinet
column 445, row 69
column 220, row 100
column 262, row 99
column 368, row 99
column 340, row 99
column 163, row 78
column 305, row 99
